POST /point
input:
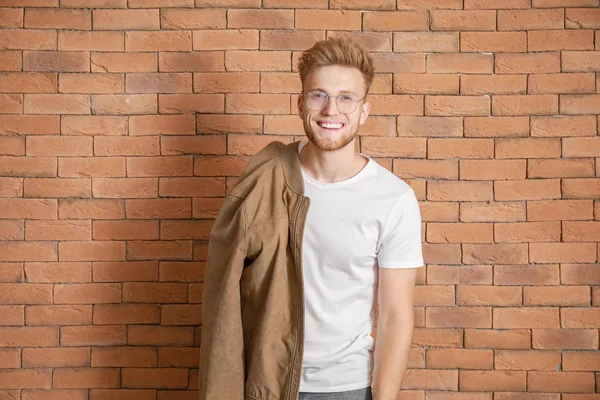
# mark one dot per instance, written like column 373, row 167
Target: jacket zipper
column 300, row 306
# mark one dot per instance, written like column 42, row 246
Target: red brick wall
column 123, row 124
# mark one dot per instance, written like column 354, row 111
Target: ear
column 364, row 113
column 300, row 103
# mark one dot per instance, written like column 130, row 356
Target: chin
column 327, row 144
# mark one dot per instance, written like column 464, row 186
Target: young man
column 311, row 238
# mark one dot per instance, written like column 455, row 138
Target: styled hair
column 337, row 51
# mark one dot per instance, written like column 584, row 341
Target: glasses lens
column 316, row 100
column 346, row 104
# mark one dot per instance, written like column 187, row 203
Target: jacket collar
column 291, row 167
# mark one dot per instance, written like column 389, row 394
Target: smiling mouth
column 330, row 126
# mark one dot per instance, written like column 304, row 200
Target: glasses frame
column 327, row 101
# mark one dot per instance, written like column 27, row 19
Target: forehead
column 335, row 79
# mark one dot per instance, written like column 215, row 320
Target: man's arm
column 394, row 330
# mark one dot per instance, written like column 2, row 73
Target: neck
column 331, row 166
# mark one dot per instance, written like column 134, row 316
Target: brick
column 180, row 230
column 362, row 4
column 91, row 251
column 161, row 335
column 158, row 41
column 528, row 148
column 464, row 317
column 28, row 337
column 562, row 252
column 149, row 250
column 124, row 357
column 257, row 61
column 426, row 84
column 459, row 191
column 160, row 3
column 530, row 317
column 58, row 19
column 281, row 82
column 496, row 126
column 526, row 275
column 501, row 381
column 49, row 272
column 328, row 19
column 491, row 4
column 548, row 40
column 210, row 124
column 56, row 104
column 126, row 19
column 371, row 41
column 90, row 41
column 159, row 166
column 243, row 145
column 294, row 4
column 179, row 145
column 11, row 187
column 509, row 42
column 130, row 271
column 187, row 314
column 26, row 378
column 559, row 210
column 467, row 295
column 580, row 318
column 464, row 275
column 564, row 3
column 583, row 125
column 11, row 315
column 53, row 61
column 159, row 83
column 441, row 148
column 125, row 230
column 56, row 187
column 492, row 84
column 396, row 104
column 11, row 272
column 116, row 314
column 206, row 61
column 227, row 82
column 105, row 167
column 181, row 357
column 27, row 251
column 527, row 63
column 282, row 39
column 428, row 126
column 565, row 339
column 428, row 169
column 498, row 339
column 579, row 274
column 11, row 103
column 580, row 61
column 91, row 209
column 459, row 233
column 495, row 254
column 28, row 39
column 580, row 104
column 492, row 169
column 257, row 103
column 441, row 253
column 460, row 63
column 437, row 337
column 94, row 3
column 394, row 147
column 530, row 360
column 86, row 293
column 125, row 187
column 90, row 83
column 11, row 60
column 55, row 357
column 431, row 379
column 459, row 358
column 556, row 296
column 124, row 62
column 172, row 18
column 57, row 230
column 561, row 83
column 580, row 361
column 463, row 20
column 182, row 272
column 457, row 105
column 12, row 146
column 25, row 293
column 260, row 19
column 527, row 190
column 158, row 208
column 543, row 104
column 12, row 230
column 561, row 168
column 426, row 42
column 525, row 232
column 86, row 378
column 169, row 378
column 439, row 212
column 399, row 63
column 560, row 382
column 240, row 39
column 28, row 208
column 115, row 394
column 139, row 292
column 581, row 188
column 191, row 103
column 124, row 104
column 395, row 21
column 59, row 315
column 12, row 18
column 513, row 20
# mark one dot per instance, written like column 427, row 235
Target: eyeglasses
column 346, row 103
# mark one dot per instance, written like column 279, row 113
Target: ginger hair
column 337, row 51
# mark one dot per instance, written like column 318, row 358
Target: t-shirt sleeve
column 400, row 241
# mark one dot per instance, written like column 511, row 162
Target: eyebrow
column 340, row 92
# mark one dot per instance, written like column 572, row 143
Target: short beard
column 328, row 145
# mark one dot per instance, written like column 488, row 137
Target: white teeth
column 331, row 126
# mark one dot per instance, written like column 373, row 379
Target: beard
column 329, row 144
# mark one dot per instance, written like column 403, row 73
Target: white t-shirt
column 353, row 227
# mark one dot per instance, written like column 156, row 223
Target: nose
column 331, row 106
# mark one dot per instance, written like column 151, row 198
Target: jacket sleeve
column 222, row 361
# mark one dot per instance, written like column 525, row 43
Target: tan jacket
column 253, row 301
